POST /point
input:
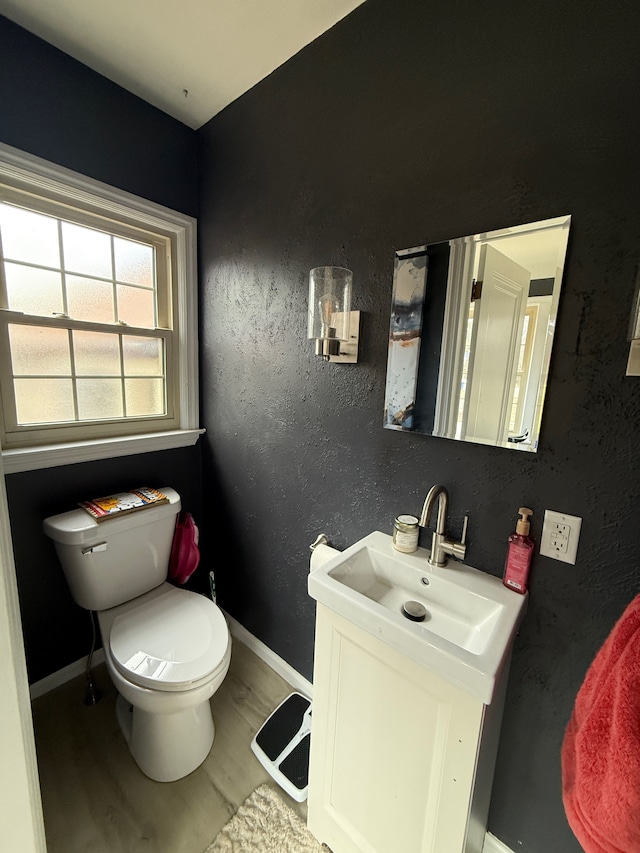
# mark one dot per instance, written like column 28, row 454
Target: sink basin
column 469, row 617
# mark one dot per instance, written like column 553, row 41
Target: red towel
column 601, row 749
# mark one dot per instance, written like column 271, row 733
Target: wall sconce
column 332, row 323
column 633, row 365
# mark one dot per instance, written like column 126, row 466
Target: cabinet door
column 393, row 748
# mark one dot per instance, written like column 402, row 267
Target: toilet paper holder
column 321, row 552
column 322, row 539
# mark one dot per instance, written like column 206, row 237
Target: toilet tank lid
column 77, row 527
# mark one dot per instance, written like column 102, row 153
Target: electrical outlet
column 560, row 535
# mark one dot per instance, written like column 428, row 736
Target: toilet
column 167, row 649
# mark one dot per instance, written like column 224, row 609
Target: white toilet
column 167, row 649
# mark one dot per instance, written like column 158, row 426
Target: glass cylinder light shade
column 329, row 304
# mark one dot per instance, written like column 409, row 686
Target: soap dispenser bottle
column 519, row 554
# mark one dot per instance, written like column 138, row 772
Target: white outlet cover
column 560, row 536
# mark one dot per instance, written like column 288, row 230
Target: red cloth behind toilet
column 185, row 554
column 601, row 749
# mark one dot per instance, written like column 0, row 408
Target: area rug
column 265, row 824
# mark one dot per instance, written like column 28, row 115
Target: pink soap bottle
column 519, row 554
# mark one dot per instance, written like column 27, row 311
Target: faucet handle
column 465, row 524
column 458, row 549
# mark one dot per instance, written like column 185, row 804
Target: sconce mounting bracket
column 349, row 350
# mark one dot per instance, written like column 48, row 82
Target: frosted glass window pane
column 134, row 262
column 96, row 354
column 142, row 356
column 86, row 251
column 44, row 400
column 144, row 397
column 89, row 299
column 28, row 236
column 39, row 351
column 99, row 398
column 136, row 307
column 33, row 291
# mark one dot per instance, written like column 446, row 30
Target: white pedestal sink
column 406, row 714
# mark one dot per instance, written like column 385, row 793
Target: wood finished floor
column 96, row 799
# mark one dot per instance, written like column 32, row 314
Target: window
column 97, row 322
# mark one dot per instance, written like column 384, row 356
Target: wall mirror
column 472, row 325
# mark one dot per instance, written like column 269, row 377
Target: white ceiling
column 190, row 58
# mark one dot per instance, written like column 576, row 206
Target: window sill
column 50, row 456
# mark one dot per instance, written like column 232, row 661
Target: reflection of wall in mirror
column 435, row 297
column 409, row 280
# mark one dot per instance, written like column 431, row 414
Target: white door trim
column 21, row 820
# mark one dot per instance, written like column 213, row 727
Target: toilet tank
column 118, row 559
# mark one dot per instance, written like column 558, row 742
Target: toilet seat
column 170, row 641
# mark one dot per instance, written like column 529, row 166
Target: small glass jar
column 405, row 533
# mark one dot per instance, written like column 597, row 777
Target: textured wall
column 413, row 122
column 58, row 109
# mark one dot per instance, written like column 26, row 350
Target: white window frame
column 48, row 180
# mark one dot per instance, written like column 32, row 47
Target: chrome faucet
column 441, row 547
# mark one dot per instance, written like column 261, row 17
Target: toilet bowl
column 167, row 652
column 167, row 649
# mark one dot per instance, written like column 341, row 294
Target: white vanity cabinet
column 401, row 760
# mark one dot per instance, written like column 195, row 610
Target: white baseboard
column 67, row 673
column 278, row 664
column 494, row 845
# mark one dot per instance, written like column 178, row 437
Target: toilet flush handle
column 99, row 546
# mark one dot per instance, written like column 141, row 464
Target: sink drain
column 414, row 610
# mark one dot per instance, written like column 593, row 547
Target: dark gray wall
column 58, row 109
column 409, row 123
